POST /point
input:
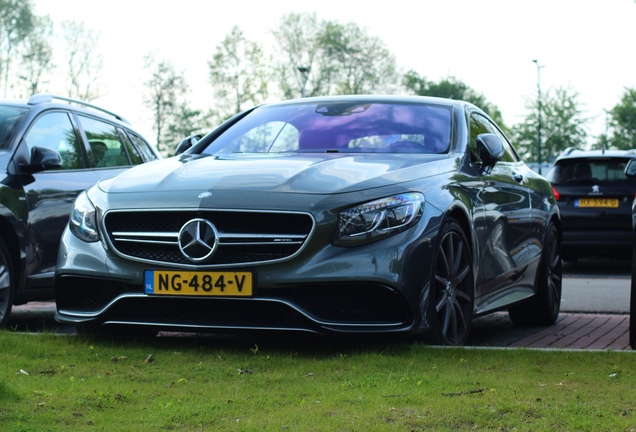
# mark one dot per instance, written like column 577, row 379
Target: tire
column 452, row 288
column 544, row 307
column 632, row 305
column 7, row 287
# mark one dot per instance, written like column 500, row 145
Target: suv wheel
column 6, row 284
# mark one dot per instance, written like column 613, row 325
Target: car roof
column 43, row 101
column 374, row 98
column 572, row 153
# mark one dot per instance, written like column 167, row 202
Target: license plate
column 597, row 202
column 195, row 283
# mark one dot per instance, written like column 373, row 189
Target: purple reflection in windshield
column 361, row 127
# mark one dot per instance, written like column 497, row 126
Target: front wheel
column 7, row 279
column 452, row 285
column 544, row 307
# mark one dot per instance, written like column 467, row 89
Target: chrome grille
column 244, row 236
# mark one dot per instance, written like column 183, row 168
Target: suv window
column 141, row 147
column 10, row 118
column 130, row 148
column 55, row 131
column 107, row 148
column 588, row 170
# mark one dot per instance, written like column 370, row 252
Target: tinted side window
column 142, row 146
column 106, row 146
column 55, row 131
column 476, row 128
column 479, row 125
column 10, row 118
column 132, row 152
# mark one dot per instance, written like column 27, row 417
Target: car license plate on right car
column 597, row 202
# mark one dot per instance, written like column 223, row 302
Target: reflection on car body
column 336, row 215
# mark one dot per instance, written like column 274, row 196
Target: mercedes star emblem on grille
column 198, row 239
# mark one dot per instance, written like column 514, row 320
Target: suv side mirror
column 490, row 150
column 187, row 143
column 630, row 168
column 43, row 159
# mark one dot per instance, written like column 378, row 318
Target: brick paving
column 582, row 331
column 572, row 331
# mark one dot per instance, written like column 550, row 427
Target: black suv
column 51, row 149
column 595, row 200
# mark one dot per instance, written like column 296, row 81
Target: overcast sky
column 489, row 44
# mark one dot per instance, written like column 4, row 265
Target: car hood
column 294, row 173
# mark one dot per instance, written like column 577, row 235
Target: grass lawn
column 61, row 383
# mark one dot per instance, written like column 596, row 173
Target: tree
column 356, row 63
column 238, row 74
column 165, row 90
column 83, row 59
column 326, row 57
column 36, row 55
column 452, row 88
column 16, row 22
column 622, row 123
column 562, row 125
column 298, row 39
column 184, row 122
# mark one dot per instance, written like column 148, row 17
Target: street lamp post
column 305, row 71
column 607, row 114
column 539, row 113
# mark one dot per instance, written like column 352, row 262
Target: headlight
column 83, row 222
column 378, row 219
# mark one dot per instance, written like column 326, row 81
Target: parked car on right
column 630, row 172
column 595, row 198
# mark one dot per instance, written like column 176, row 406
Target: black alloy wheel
column 6, row 284
column 452, row 288
column 544, row 307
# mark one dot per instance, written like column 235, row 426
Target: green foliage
column 337, row 58
column 355, row 62
column 238, row 74
column 183, row 123
column 562, row 125
column 213, row 383
column 164, row 96
column 83, row 60
column 16, row 22
column 623, row 123
column 298, row 42
column 36, row 55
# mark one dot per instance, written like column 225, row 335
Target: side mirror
column 43, row 159
column 490, row 150
column 630, row 168
column 187, row 143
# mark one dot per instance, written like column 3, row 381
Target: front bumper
column 318, row 308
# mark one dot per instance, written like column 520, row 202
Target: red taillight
column 557, row 196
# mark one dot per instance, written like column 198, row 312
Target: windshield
column 360, row 127
column 10, row 118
